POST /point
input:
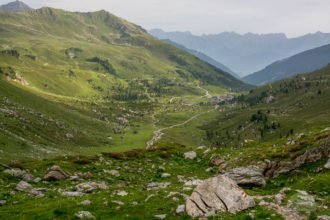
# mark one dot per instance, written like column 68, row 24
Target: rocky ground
column 170, row 183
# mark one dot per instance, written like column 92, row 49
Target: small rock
column 180, row 209
column 216, row 161
column 190, row 155
column 156, row 186
column 114, row 173
column 118, row 202
column 86, row 203
column 24, row 186
column 166, row 175
column 37, row 180
column 327, row 165
column 3, row 202
column 122, row 193
column 89, row 187
column 72, row 194
column 84, row 215
column 55, row 173
column 161, row 216
column 323, row 217
column 20, row 174
column 194, row 182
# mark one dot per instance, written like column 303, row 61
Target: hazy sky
column 293, row 17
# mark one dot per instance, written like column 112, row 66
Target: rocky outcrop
column 217, row 194
column 247, row 176
column 274, row 169
column 55, row 173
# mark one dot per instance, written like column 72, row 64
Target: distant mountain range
column 205, row 58
column 304, row 62
column 248, row 53
column 16, row 6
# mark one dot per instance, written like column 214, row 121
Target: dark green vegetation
column 84, row 89
column 304, row 62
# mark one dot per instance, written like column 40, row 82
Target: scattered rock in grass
column 86, row 203
column 190, row 155
column 165, row 175
column 72, row 194
column 187, row 189
column 180, row 209
column 327, row 165
column 37, row 180
column 90, row 187
column 118, row 202
column 84, row 215
column 23, row 186
column 302, row 202
column 3, row 202
column 217, row 194
column 201, row 147
column 55, row 173
column 163, row 216
column 19, row 174
column 113, row 172
column 279, row 197
column 323, row 217
column 216, row 161
column 121, row 193
column 193, row 182
column 156, row 186
column 247, row 176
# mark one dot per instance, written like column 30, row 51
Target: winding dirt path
column 159, row 133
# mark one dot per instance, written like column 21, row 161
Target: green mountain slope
column 276, row 111
column 83, row 54
column 304, row 62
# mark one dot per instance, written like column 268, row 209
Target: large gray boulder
column 217, row 194
column 247, row 176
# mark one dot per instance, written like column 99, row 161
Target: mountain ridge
column 304, row 62
column 249, row 52
column 16, row 6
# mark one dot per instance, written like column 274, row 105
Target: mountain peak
column 16, row 6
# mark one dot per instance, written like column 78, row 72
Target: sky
column 292, row 17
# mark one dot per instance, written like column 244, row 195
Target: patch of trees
column 13, row 53
column 264, row 125
column 178, row 59
column 104, row 65
column 8, row 71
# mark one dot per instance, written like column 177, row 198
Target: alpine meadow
column 101, row 120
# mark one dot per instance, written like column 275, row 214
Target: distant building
column 222, row 99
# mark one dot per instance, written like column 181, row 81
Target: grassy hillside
column 275, row 112
column 86, row 54
column 89, row 80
